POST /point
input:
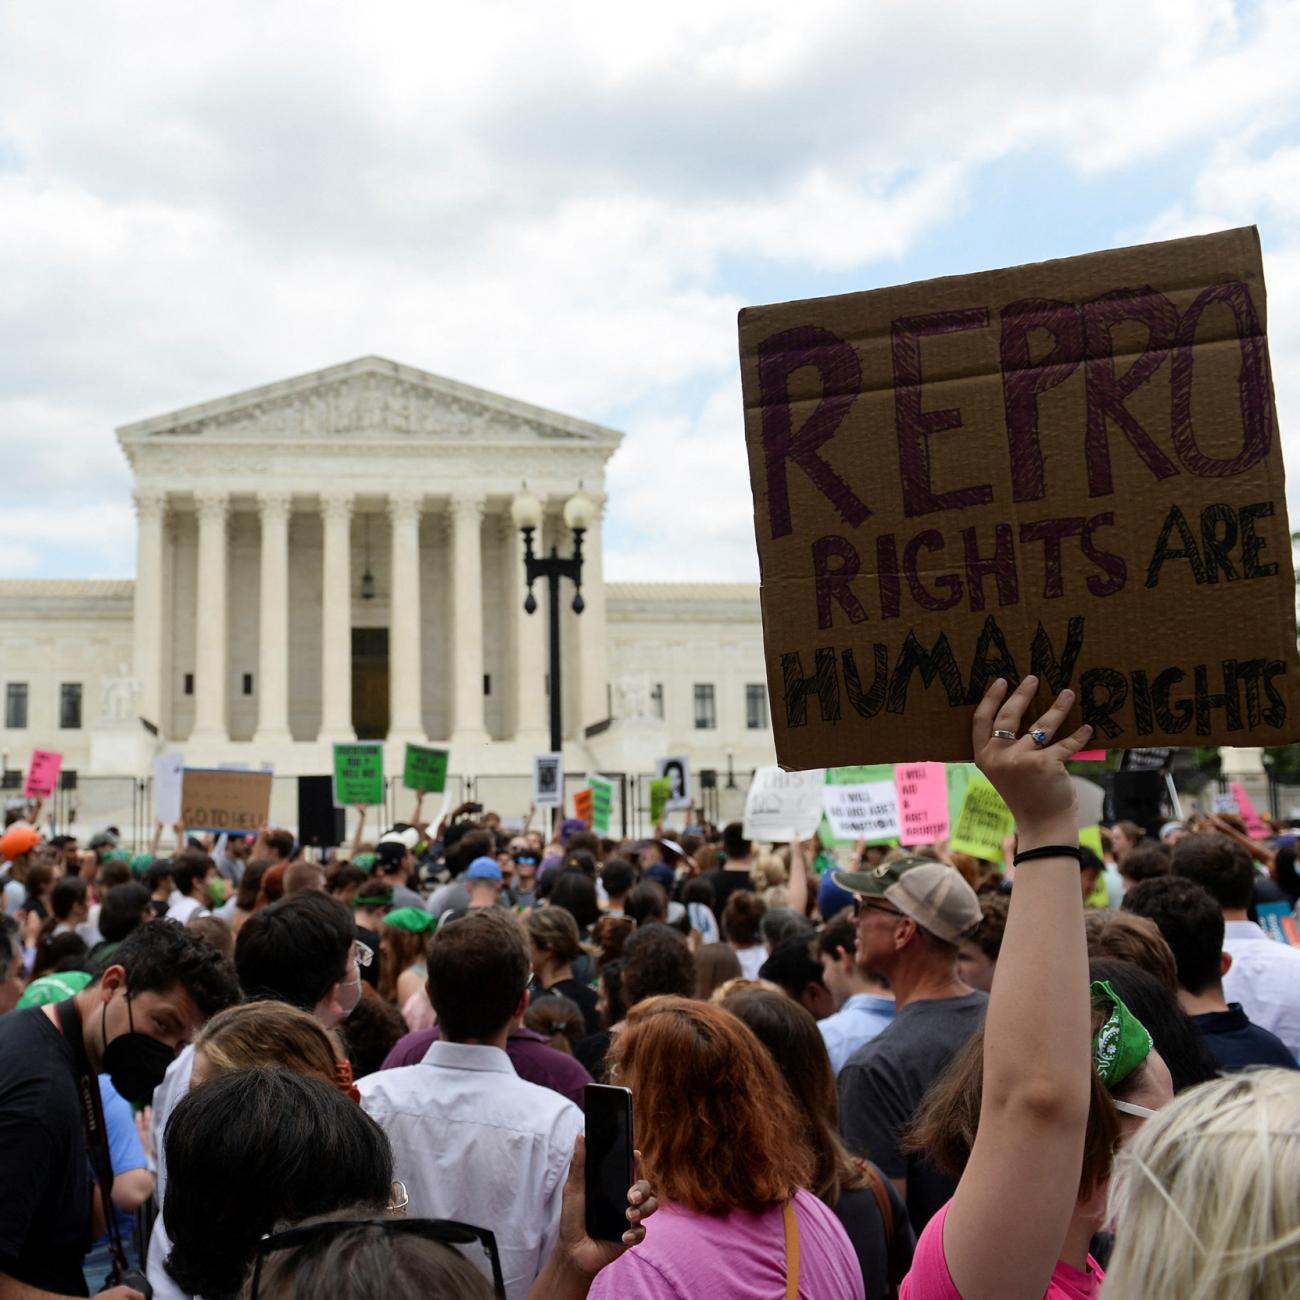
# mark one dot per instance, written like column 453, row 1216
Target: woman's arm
column 1008, row 1220
column 798, row 878
column 360, row 831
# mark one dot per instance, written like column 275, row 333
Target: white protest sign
column 784, row 805
column 1225, row 803
column 866, row 812
column 168, row 772
column 677, row 768
column 548, row 780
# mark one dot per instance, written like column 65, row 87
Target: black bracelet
column 1050, row 851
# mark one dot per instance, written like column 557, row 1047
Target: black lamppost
column 526, row 511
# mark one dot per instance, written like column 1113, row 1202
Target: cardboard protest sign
column 358, row 774
column 677, row 769
column 602, row 803
column 868, row 811
column 582, row 801
column 783, row 805
column 1256, row 827
column 983, row 822
column 922, row 802
column 168, row 772
column 425, row 769
column 42, row 774
column 1071, row 469
column 218, row 799
column 548, row 780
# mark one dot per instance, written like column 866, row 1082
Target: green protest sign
column 358, row 774
column 425, row 769
column 602, row 801
column 983, row 823
column 867, row 775
column 661, row 790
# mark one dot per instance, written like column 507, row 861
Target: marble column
column 531, row 717
column 593, row 671
column 147, row 615
column 467, row 621
column 210, row 632
column 336, row 618
column 273, row 622
column 405, row 708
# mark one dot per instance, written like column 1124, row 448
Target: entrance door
column 370, row 682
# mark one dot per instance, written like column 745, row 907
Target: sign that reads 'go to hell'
column 1071, row 469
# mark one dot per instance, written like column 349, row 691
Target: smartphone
column 610, row 1167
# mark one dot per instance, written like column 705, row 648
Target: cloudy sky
column 567, row 203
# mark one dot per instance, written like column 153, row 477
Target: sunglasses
column 446, row 1232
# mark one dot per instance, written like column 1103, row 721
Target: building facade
column 333, row 557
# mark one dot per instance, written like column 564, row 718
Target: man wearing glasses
column 911, row 914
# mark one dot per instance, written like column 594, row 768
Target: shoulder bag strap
column 791, row 1252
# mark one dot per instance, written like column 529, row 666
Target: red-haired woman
column 715, row 1126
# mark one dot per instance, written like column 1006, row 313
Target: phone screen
column 609, row 1160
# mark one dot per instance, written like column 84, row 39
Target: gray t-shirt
column 882, row 1083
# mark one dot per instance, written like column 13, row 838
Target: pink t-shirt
column 929, row 1278
column 737, row 1256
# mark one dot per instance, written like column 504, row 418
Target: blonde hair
column 269, row 1034
column 1205, row 1196
column 768, row 870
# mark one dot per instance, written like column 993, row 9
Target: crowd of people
column 232, row 1070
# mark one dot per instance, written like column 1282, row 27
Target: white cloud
column 566, row 203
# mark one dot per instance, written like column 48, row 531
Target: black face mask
column 134, row 1062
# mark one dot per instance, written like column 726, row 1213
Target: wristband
column 1050, row 851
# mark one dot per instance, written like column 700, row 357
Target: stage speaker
column 320, row 824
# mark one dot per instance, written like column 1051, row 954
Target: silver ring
column 1004, row 735
column 1039, row 737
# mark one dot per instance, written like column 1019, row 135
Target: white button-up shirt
column 473, row 1141
column 1265, row 978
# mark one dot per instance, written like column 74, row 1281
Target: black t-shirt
column 583, row 994
column 882, row 1083
column 726, row 882
column 44, row 1171
column 371, row 940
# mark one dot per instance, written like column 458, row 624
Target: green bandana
column 363, row 860
column 374, row 900
column 141, row 862
column 414, row 919
column 1122, row 1043
column 117, row 855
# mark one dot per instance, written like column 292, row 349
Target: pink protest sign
column 1255, row 826
column 43, row 774
column 922, row 802
column 1090, row 756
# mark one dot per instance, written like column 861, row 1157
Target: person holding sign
column 1030, row 1114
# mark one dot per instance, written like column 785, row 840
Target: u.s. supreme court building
column 332, row 557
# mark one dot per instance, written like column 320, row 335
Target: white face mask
column 349, row 1005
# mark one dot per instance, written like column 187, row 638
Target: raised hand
column 1030, row 776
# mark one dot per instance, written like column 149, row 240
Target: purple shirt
column 736, row 1256
column 530, row 1053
